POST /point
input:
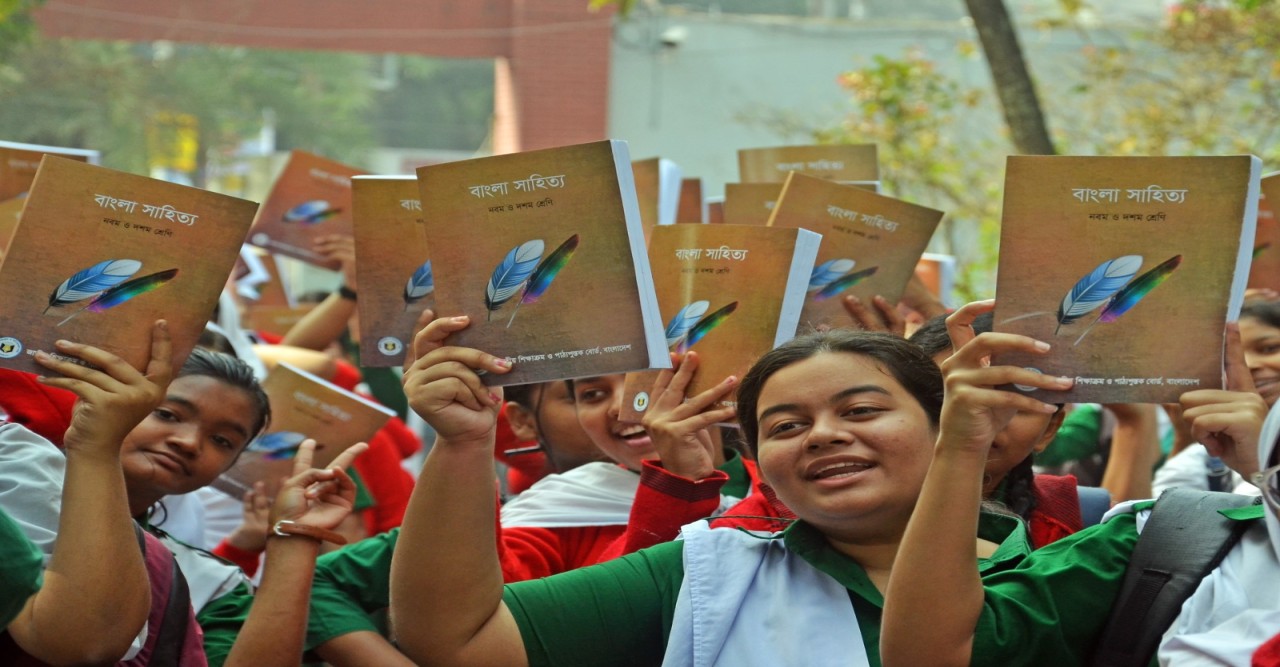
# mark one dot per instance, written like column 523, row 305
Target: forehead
column 216, row 398
column 1252, row 328
column 599, row 381
column 554, row 390
column 822, row 375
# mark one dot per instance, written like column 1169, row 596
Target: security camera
column 673, row 36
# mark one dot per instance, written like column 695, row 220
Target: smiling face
column 843, row 444
column 186, row 442
column 598, row 401
column 1262, row 354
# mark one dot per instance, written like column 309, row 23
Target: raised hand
column 974, row 410
column 251, row 534
column 316, row 497
column 342, row 249
column 678, row 427
column 885, row 317
column 114, row 396
column 442, row 384
column 1228, row 421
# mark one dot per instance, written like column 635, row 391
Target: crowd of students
column 878, row 502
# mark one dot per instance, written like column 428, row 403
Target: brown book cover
column 750, row 203
column 657, row 192
column 10, row 213
column 690, row 209
column 302, row 406
column 19, row 162
column 870, row 243
column 715, row 211
column 844, row 163
column 730, row 292
column 1129, row 267
column 1265, row 271
column 544, row 251
column 310, row 199
column 392, row 266
column 100, row 255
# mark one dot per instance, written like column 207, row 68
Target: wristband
column 286, row 528
column 346, row 293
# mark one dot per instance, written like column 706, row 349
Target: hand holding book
column 678, row 427
column 114, row 397
column 1228, row 421
column 443, row 385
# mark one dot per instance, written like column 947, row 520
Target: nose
column 185, row 438
column 827, row 430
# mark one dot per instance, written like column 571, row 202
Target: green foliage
column 105, row 95
column 16, row 26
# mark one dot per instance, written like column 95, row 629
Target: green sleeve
column 1077, row 439
column 221, row 620
column 351, row 588
column 1051, row 609
column 21, row 565
column 615, row 613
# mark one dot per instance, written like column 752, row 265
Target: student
column 194, row 430
column 844, row 423
column 1051, row 609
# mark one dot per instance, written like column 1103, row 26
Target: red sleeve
column 406, row 441
column 759, row 511
column 388, row 483
column 44, row 410
column 532, row 553
column 246, row 560
column 665, row 502
column 268, row 337
column 346, row 375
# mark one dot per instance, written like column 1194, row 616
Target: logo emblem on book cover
column 390, row 346
column 641, row 402
column 10, row 347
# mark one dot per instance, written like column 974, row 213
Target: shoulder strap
column 1183, row 541
column 1094, row 503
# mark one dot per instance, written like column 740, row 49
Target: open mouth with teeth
column 841, row 470
column 635, row 436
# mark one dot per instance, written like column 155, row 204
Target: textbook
column 845, row 163
column 100, row 255
column 750, row 203
column 274, row 319
column 1128, row 266
column 691, row 209
column 657, row 191
column 393, row 268
column 715, row 210
column 19, row 162
column 729, row 292
column 10, row 213
column 302, row 406
column 870, row 244
column 545, row 252
column 1265, row 271
column 310, row 199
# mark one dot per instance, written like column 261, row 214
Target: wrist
column 300, row 532
column 82, row 450
column 248, row 541
column 346, row 292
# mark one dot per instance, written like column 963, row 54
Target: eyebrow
column 861, row 389
column 195, row 410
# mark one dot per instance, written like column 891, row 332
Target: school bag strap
column 1184, row 539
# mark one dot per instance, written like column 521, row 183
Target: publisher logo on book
column 641, row 402
column 10, row 347
column 390, row 346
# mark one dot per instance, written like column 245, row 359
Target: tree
column 1012, row 80
column 16, row 26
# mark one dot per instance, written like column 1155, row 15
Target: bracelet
column 286, row 528
column 346, row 293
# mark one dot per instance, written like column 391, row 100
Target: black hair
column 1020, row 489
column 932, row 336
column 914, row 370
column 234, row 372
column 1267, row 312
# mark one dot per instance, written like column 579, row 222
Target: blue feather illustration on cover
column 311, row 212
column 834, row 276
column 420, row 284
column 523, row 271
column 691, row 324
column 105, row 285
column 279, row 445
column 1110, row 286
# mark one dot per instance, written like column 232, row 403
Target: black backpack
column 1184, row 540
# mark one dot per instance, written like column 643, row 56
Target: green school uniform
column 21, row 568
column 620, row 612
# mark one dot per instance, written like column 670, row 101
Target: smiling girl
column 844, row 424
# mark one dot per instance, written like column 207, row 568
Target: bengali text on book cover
column 392, row 266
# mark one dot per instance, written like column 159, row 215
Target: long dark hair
column 234, row 372
column 1267, row 312
column 914, row 370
